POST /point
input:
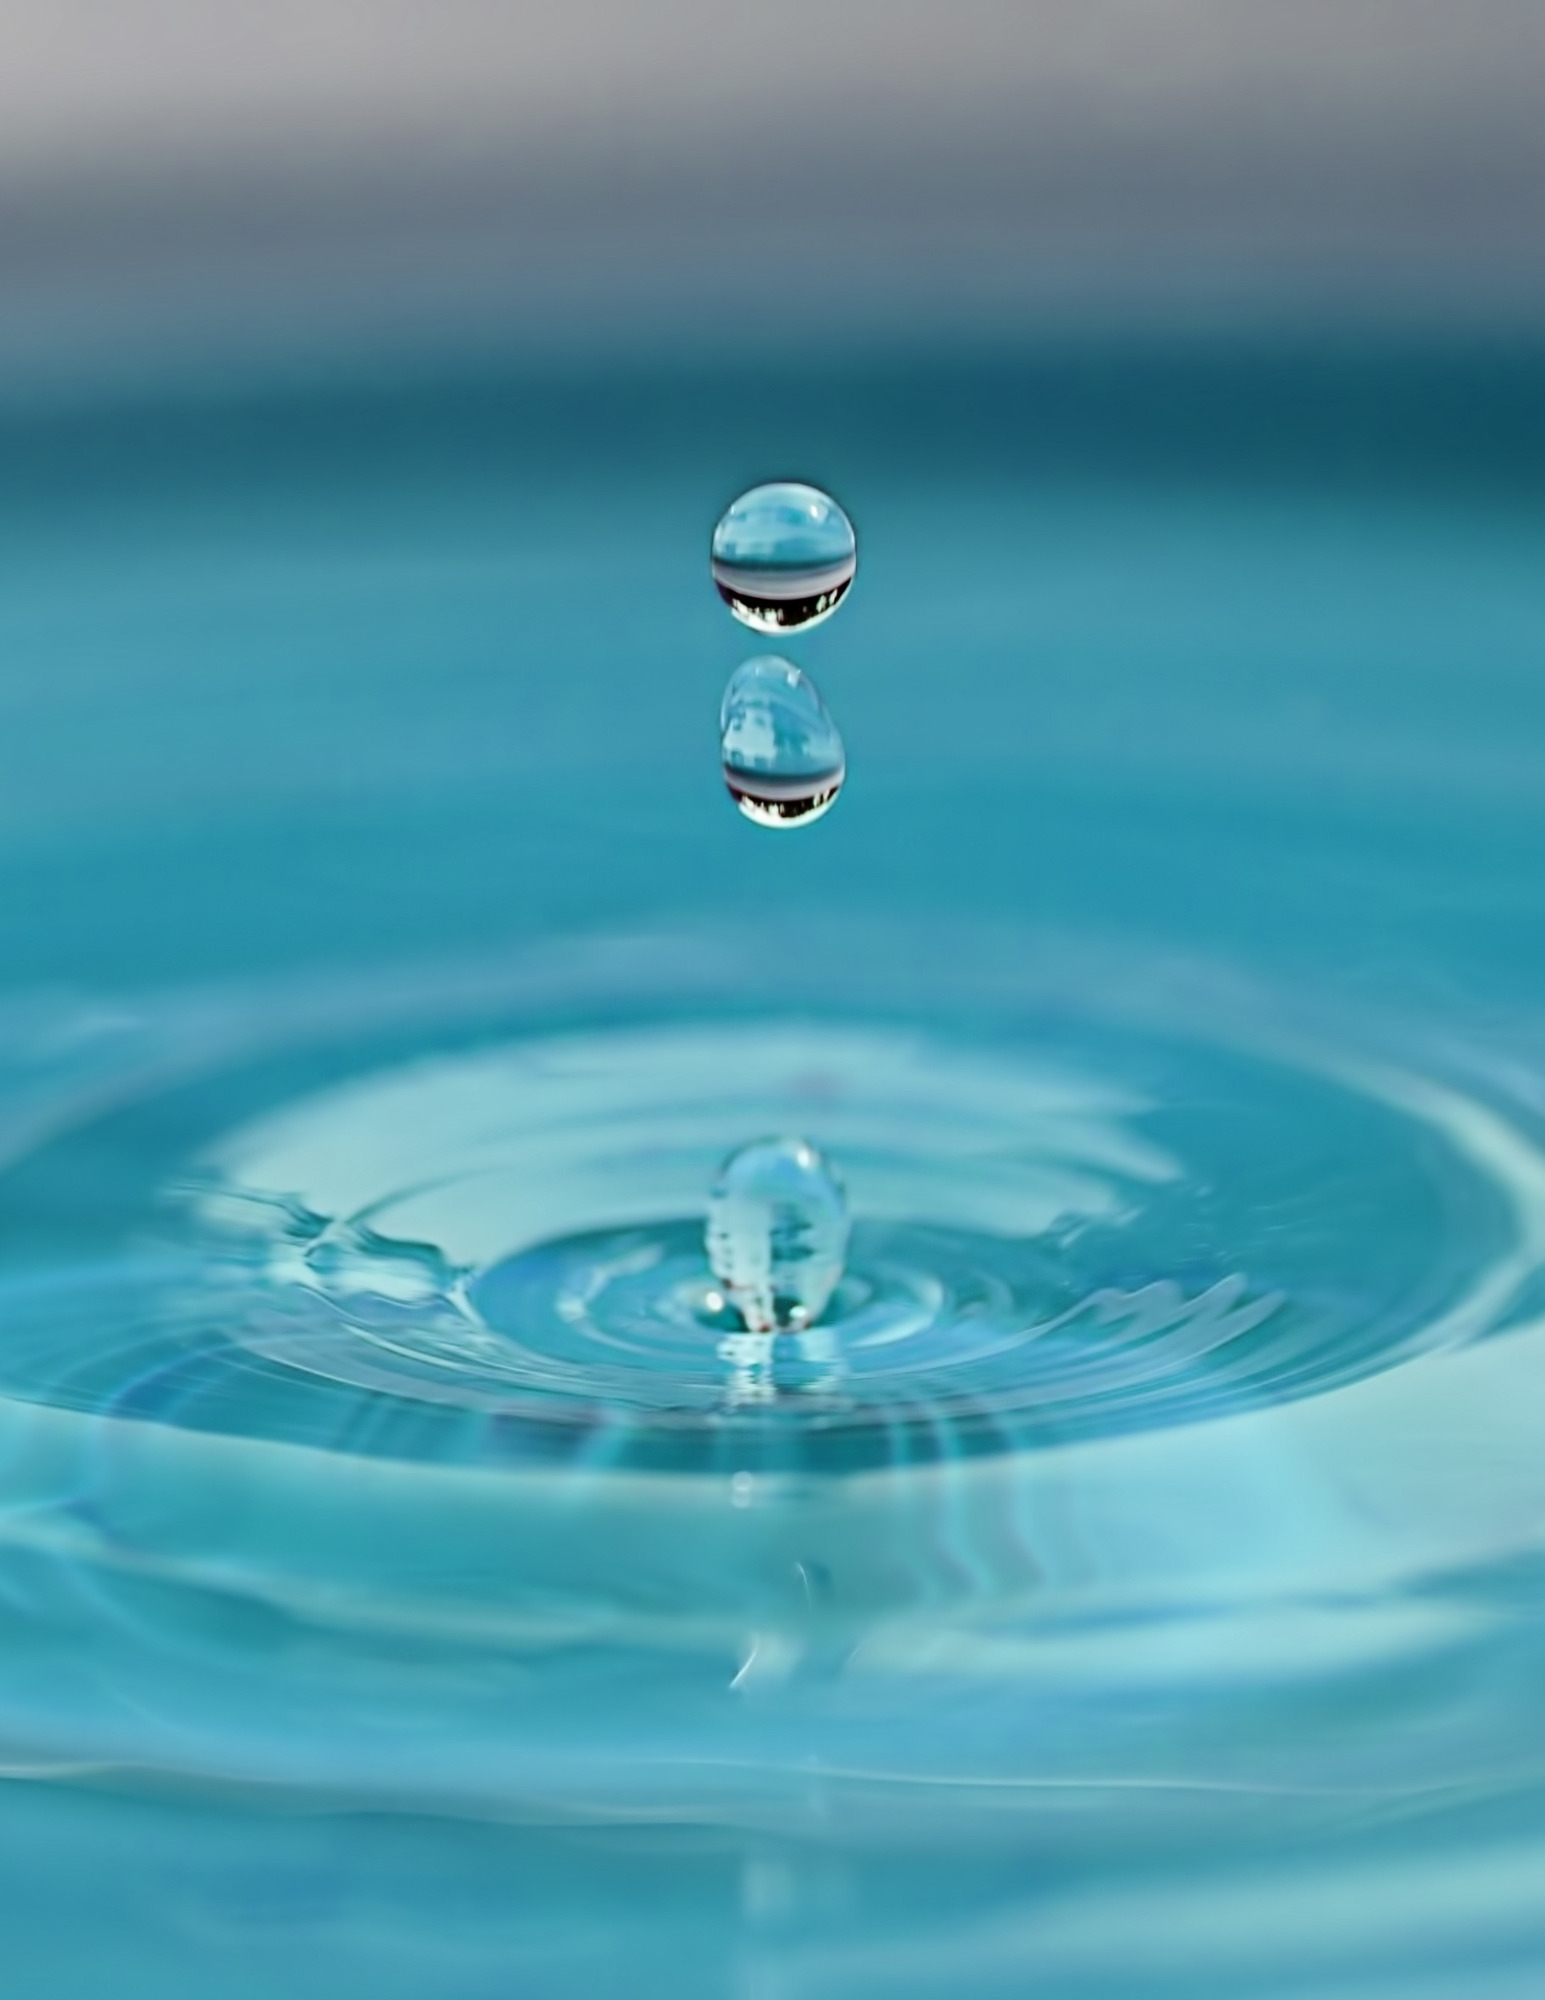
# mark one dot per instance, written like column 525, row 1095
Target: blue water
column 1130, row 1583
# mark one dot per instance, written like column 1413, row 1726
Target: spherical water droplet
column 777, row 1234
column 783, row 556
column 783, row 758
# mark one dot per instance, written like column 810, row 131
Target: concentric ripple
column 1041, row 1250
column 380, row 1339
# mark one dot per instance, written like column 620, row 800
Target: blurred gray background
column 178, row 173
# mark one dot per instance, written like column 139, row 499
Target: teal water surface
column 1131, row 1581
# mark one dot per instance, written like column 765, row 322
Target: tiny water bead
column 782, row 754
column 777, row 1234
column 783, row 556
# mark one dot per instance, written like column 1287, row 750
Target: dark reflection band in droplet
column 754, row 600
column 772, row 804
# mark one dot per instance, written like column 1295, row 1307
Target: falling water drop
column 783, row 758
column 777, row 1234
column 783, row 556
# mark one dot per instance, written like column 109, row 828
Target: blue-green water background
column 1222, row 650
column 370, row 671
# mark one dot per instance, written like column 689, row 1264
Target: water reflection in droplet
column 777, row 1234
column 783, row 556
column 783, row 757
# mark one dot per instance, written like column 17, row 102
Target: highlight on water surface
column 782, row 754
column 783, row 556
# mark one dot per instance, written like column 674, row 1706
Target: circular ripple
column 375, row 1344
column 1068, row 1233
column 1045, row 1246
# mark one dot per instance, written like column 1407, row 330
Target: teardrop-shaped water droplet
column 783, row 758
column 783, row 556
column 777, row 1234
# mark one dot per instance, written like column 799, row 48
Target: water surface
column 1133, row 1583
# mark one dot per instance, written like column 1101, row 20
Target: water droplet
column 783, row 556
column 777, row 1234
column 783, row 758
